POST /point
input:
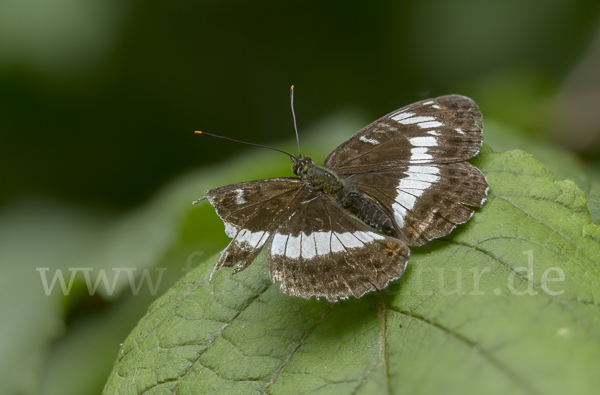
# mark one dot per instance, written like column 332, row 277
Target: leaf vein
column 510, row 269
column 471, row 344
column 298, row 345
column 549, row 227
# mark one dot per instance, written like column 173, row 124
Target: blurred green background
column 99, row 99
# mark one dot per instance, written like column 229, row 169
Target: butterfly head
column 299, row 164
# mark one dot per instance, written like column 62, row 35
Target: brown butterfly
column 344, row 228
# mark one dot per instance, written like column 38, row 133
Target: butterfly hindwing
column 424, row 201
column 251, row 211
column 442, row 130
column 320, row 250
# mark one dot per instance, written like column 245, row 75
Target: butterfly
column 344, row 228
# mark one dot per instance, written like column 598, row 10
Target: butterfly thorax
column 342, row 193
column 324, row 180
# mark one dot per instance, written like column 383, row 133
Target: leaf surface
column 508, row 303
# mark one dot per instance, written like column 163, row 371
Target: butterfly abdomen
column 370, row 213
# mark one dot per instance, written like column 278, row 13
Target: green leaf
column 508, row 303
column 563, row 163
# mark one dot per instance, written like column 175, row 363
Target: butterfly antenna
column 244, row 142
column 294, row 115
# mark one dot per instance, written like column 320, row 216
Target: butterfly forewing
column 321, row 251
column 442, row 130
column 251, row 211
column 424, row 201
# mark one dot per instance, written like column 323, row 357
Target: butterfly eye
column 295, row 167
